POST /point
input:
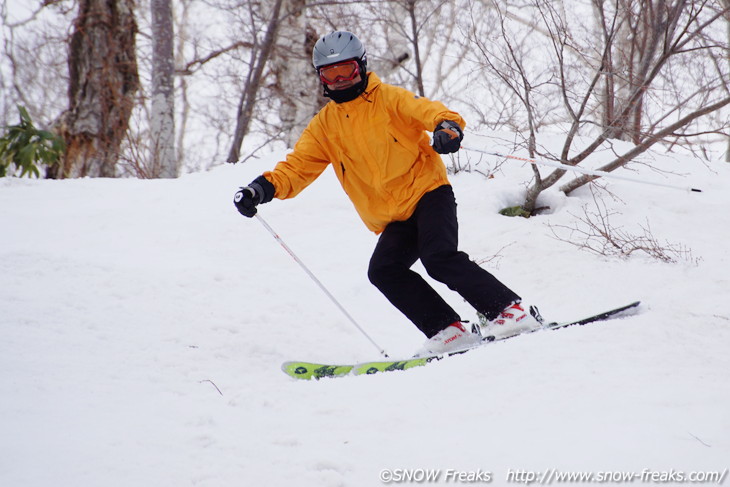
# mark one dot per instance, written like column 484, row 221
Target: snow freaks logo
column 425, row 475
column 549, row 477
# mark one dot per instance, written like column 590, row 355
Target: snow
column 145, row 322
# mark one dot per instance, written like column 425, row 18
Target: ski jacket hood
column 379, row 149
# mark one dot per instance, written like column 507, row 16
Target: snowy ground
column 144, row 324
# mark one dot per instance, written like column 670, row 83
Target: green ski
column 310, row 370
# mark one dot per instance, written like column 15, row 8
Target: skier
column 374, row 136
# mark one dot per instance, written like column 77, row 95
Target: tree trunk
column 726, row 5
column 632, row 31
column 103, row 82
column 253, row 83
column 162, row 122
column 411, row 9
column 296, row 83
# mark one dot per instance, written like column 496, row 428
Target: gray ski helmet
column 338, row 46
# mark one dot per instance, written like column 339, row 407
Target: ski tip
column 628, row 310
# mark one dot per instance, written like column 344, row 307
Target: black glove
column 246, row 200
column 259, row 191
column 447, row 137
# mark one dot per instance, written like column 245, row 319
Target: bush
column 26, row 147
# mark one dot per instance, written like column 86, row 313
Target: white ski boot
column 452, row 338
column 514, row 320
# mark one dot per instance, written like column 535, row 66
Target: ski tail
column 309, row 370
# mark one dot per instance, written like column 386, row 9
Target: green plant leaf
column 515, row 211
column 26, row 147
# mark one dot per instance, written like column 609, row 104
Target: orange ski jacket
column 379, row 149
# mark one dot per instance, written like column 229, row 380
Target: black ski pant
column 431, row 234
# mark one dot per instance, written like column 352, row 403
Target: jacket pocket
column 402, row 144
column 342, row 176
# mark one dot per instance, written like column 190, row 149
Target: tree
column 260, row 55
column 162, row 121
column 162, row 117
column 103, row 82
column 666, row 39
column 644, row 97
column 544, row 55
column 417, row 49
column 295, row 85
column 33, row 67
column 726, row 4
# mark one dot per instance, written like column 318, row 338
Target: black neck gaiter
column 348, row 94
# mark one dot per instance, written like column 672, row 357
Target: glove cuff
column 264, row 189
column 451, row 125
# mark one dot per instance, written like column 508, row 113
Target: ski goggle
column 345, row 71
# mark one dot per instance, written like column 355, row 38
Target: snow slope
column 144, row 324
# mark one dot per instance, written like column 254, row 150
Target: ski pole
column 584, row 171
column 381, row 350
